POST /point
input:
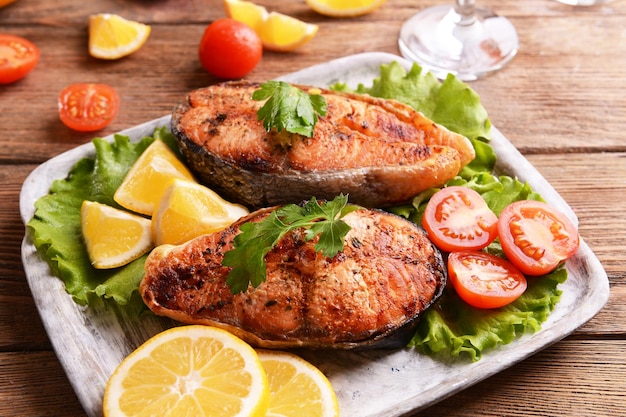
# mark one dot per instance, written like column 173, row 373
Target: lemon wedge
column 283, row 33
column 296, row 385
column 344, row 8
column 278, row 32
column 246, row 12
column 189, row 371
column 144, row 184
column 113, row 237
column 188, row 210
column 113, row 37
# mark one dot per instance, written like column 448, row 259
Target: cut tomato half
column 88, row 107
column 536, row 237
column 18, row 57
column 458, row 218
column 485, row 281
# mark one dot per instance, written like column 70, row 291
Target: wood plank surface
column 561, row 102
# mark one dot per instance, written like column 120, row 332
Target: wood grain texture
column 561, row 102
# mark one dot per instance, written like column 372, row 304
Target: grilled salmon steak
column 369, row 295
column 380, row 152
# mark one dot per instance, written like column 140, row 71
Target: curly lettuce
column 453, row 328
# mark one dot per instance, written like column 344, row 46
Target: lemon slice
column 297, row 385
column 113, row 237
column 147, row 179
column 189, row 371
column 188, row 210
column 344, row 8
column 112, row 37
column 277, row 31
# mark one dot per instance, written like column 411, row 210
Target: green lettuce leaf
column 56, row 227
column 452, row 328
column 451, row 103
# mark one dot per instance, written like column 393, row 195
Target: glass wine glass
column 461, row 39
column 584, row 2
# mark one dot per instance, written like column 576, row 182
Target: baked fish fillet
column 380, row 152
column 369, row 295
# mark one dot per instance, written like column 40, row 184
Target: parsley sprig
column 288, row 107
column 256, row 239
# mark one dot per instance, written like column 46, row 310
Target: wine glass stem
column 466, row 9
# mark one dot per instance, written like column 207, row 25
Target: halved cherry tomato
column 18, row 56
column 230, row 49
column 88, row 107
column 458, row 218
column 535, row 237
column 483, row 280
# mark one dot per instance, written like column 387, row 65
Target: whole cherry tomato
column 230, row 49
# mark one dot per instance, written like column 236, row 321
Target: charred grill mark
column 211, row 307
column 342, row 135
column 417, row 152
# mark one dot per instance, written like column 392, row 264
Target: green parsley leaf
column 289, row 108
column 247, row 259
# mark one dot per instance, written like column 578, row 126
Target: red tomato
column 230, row 49
column 18, row 56
column 535, row 237
column 458, row 218
column 483, row 280
column 88, row 107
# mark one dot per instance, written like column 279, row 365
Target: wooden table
column 561, row 102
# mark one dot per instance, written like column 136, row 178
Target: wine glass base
column 584, row 2
column 441, row 42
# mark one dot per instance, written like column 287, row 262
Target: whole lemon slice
column 297, row 385
column 144, row 184
column 189, row 371
column 113, row 237
column 344, row 8
column 188, row 209
column 112, row 37
column 278, row 32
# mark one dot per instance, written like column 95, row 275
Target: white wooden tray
column 91, row 342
